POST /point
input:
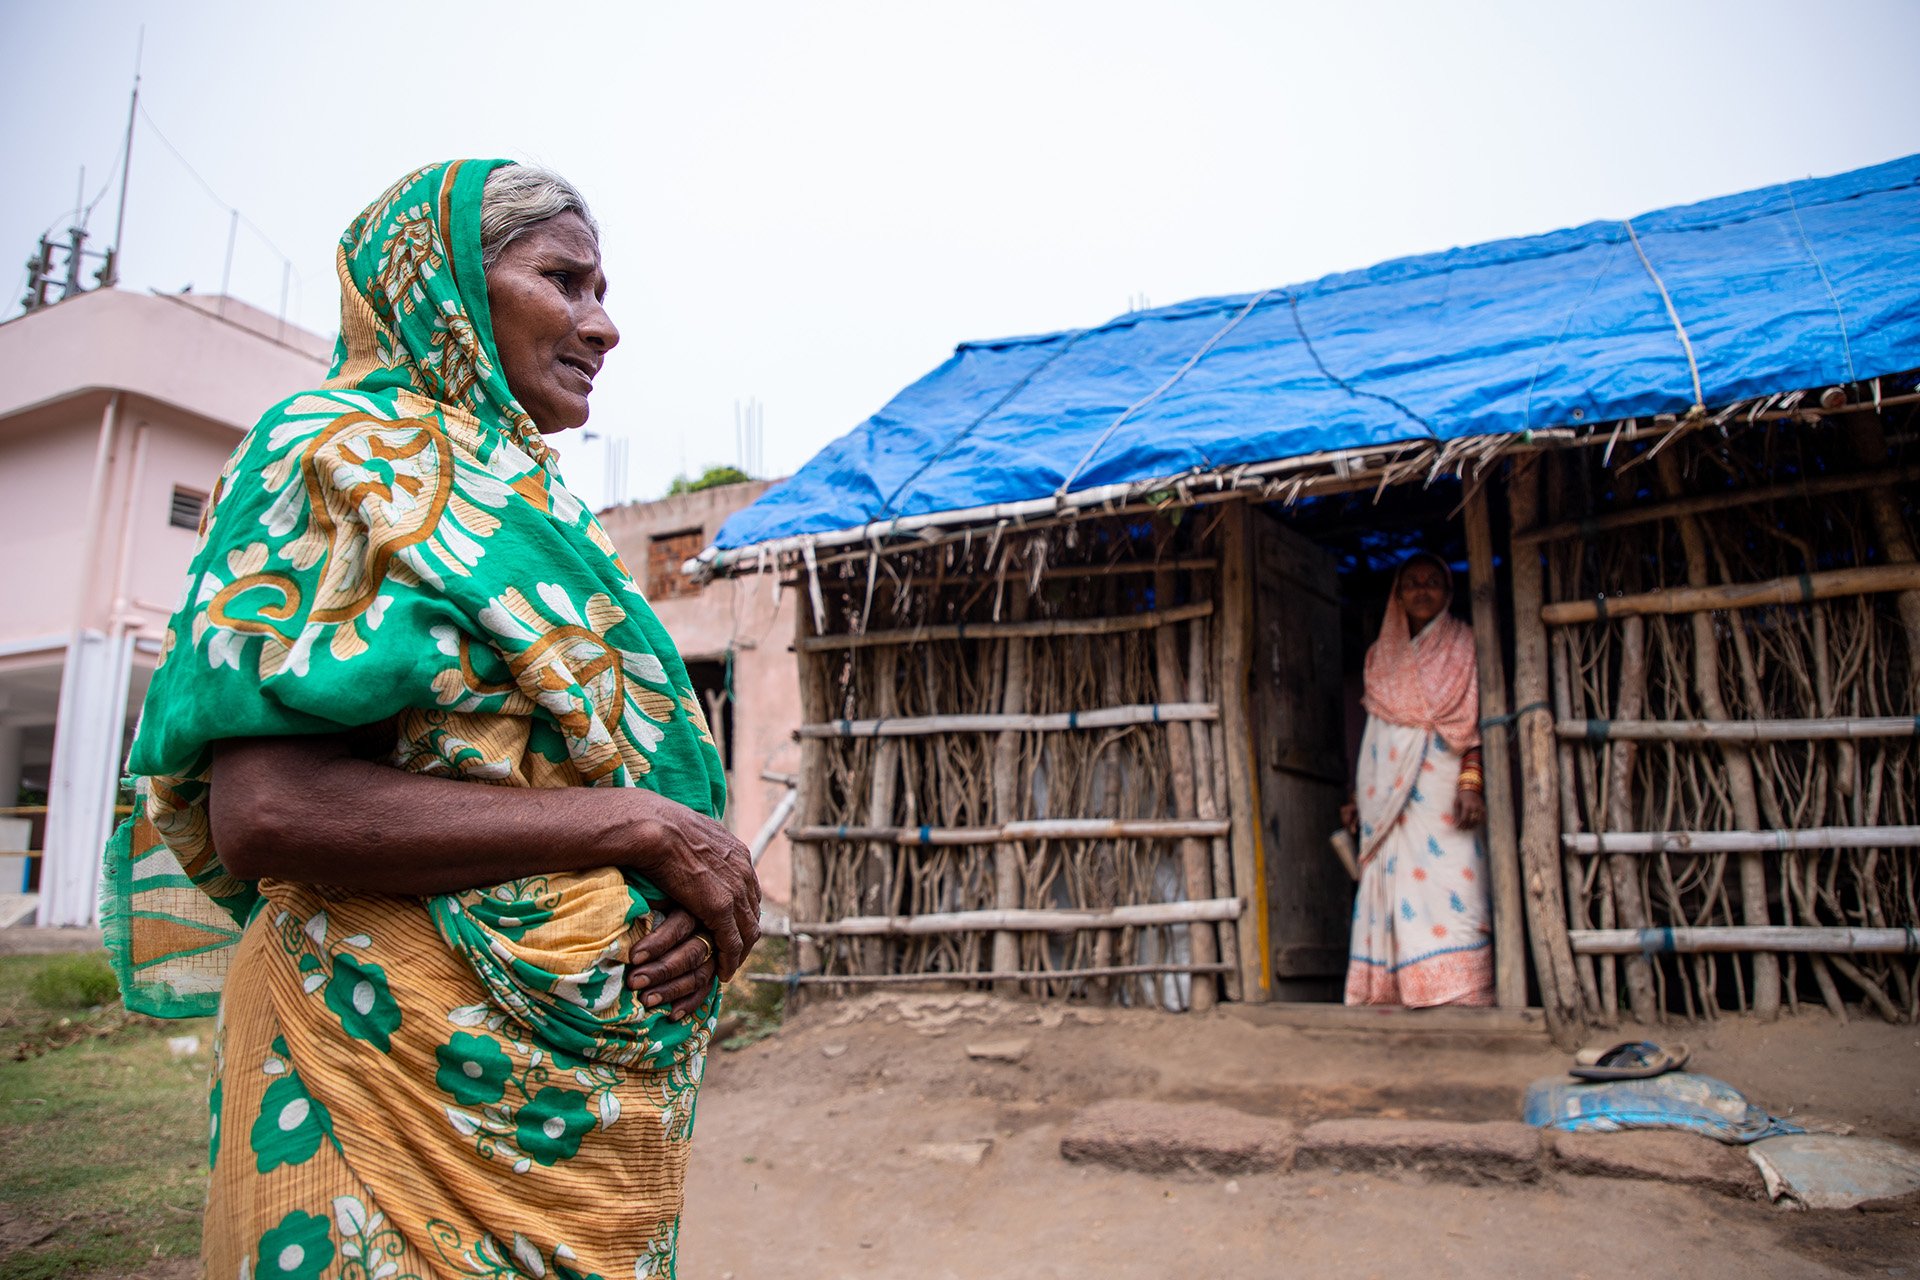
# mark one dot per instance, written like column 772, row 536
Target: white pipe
column 96, row 501
column 771, row 827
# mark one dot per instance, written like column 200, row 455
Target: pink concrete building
column 117, row 410
column 735, row 625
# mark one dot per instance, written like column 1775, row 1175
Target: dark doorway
column 1322, row 570
column 713, row 686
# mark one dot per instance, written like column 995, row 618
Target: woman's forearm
column 308, row 809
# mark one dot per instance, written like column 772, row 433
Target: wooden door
column 1297, row 726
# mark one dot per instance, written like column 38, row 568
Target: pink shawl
column 1428, row 681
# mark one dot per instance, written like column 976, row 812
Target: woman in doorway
column 1420, row 931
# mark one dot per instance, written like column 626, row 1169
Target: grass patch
column 103, row 1130
column 75, row 982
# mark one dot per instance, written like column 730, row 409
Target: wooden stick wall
column 1736, row 667
column 1010, row 732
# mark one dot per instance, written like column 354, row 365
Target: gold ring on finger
column 707, row 944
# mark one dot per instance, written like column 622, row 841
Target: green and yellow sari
column 454, row 1086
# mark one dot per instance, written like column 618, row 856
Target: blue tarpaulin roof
column 1799, row 285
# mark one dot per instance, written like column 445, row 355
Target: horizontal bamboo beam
column 1772, row 937
column 1802, row 589
column 1742, row 841
column 40, row 810
column 991, row 722
column 1060, row 920
column 1593, row 526
column 1049, row 573
column 1739, row 730
column 1015, row 975
column 1032, row 829
column 1004, row 630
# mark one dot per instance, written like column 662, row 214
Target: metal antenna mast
column 111, row 275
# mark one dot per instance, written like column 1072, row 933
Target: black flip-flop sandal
column 1632, row 1060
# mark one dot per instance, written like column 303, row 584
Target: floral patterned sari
column 406, row 1087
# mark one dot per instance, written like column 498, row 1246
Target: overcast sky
column 811, row 203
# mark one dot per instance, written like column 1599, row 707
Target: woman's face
column 545, row 292
column 1423, row 592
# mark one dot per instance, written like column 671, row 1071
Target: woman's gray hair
column 517, row 198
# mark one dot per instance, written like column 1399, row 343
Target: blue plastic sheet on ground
column 1677, row 1100
column 1800, row 285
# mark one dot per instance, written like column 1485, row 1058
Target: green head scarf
column 394, row 545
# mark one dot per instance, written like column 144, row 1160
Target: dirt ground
column 809, row 1158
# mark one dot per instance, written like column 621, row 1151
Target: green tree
column 711, row 478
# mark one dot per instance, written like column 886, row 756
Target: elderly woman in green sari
column 428, row 802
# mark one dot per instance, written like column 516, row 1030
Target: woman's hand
column 704, row 868
column 1469, row 810
column 674, row 964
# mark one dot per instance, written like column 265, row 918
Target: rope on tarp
column 1293, row 305
column 1526, row 415
column 1686, row 343
column 890, row 505
column 1840, row 316
column 1066, row 485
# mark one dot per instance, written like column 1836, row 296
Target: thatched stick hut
column 1082, row 617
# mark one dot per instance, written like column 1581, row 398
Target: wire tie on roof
column 1686, row 343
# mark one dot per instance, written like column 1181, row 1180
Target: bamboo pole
column 1698, row 598
column 1598, row 986
column 877, row 893
column 1594, row 526
column 1749, row 842
column 1011, row 630
column 1025, row 831
column 1104, row 872
column 1503, row 847
column 1235, row 641
column 1837, row 727
column 813, row 787
column 1207, row 796
column 1096, row 718
column 1896, row 542
column 1540, row 802
column 1738, row 765
column 1009, row 859
column 1196, row 861
column 1016, row 920
column 1759, row 939
column 996, row 976
column 1630, row 905
column 1065, row 572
